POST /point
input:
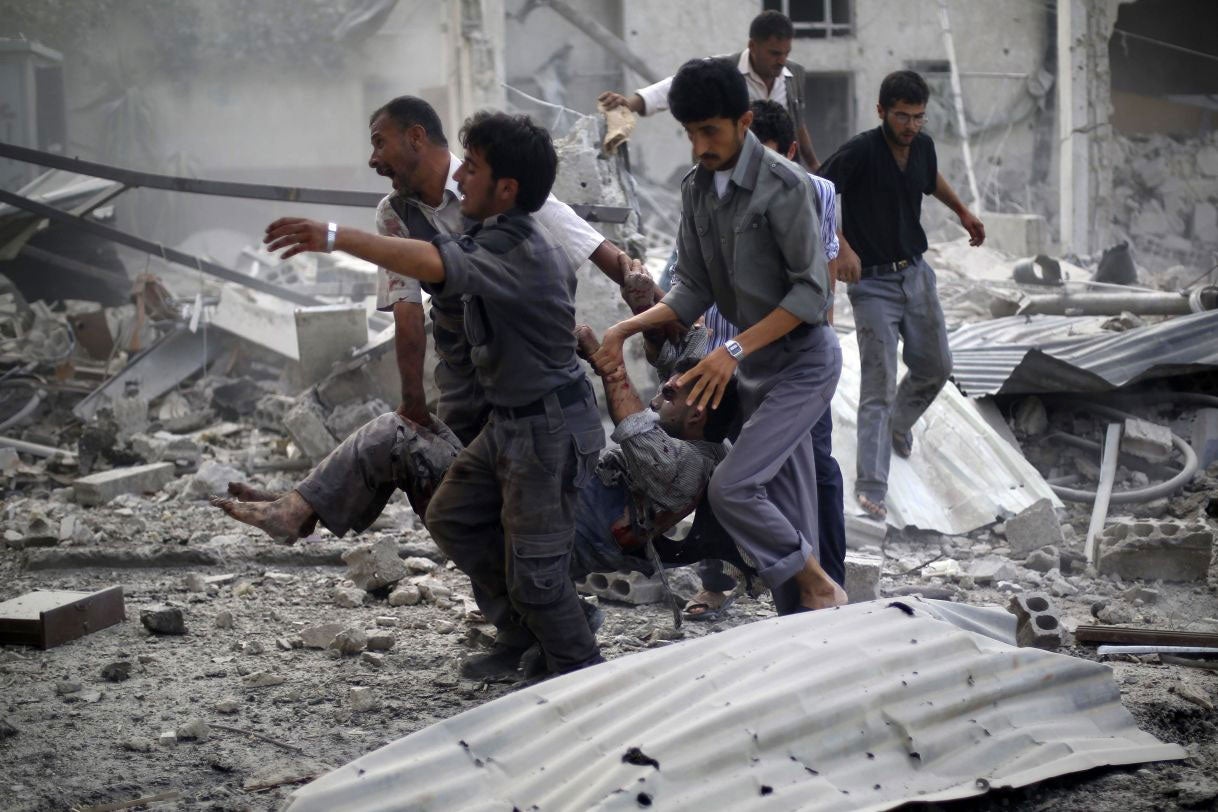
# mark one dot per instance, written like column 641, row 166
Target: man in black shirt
column 882, row 175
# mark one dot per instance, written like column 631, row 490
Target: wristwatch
column 734, row 349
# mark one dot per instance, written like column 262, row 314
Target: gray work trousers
column 764, row 491
column 902, row 304
column 350, row 487
column 505, row 515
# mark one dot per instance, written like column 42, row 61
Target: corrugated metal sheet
column 1041, row 354
column 962, row 475
column 864, row 707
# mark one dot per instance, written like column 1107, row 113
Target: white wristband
column 331, row 233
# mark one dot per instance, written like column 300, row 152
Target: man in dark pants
column 504, row 512
column 882, row 175
column 749, row 243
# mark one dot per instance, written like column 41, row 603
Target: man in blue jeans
column 882, row 175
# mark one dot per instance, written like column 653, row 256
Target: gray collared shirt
column 756, row 248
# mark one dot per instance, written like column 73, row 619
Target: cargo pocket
column 588, row 445
column 477, row 327
column 540, row 566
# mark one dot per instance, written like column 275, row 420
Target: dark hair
column 772, row 122
column 708, row 88
column 407, row 111
column 769, row 25
column 719, row 422
column 515, row 148
column 903, row 86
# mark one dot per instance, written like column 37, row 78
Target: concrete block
column 306, row 423
column 1156, row 551
column 99, row 488
column 624, row 585
column 863, row 576
column 1205, row 436
column 1037, row 526
column 345, row 420
column 1037, row 622
column 1023, row 235
column 326, row 334
column 991, row 570
column 373, row 566
column 1147, row 440
column 347, row 386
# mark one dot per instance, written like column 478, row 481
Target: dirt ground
column 82, row 740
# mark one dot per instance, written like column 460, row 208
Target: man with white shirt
column 409, row 148
column 767, row 72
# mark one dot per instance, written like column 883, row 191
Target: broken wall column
column 1084, row 90
column 476, row 31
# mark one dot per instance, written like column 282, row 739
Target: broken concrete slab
column 1156, row 551
column 99, row 488
column 374, row 566
column 1035, row 527
column 1146, row 440
column 327, row 334
column 991, row 569
column 306, row 424
column 320, row 636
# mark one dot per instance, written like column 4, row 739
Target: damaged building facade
column 1041, row 601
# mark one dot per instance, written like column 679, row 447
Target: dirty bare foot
column 816, row 589
column 638, row 291
column 873, row 508
column 285, row 519
column 248, row 493
column 586, row 342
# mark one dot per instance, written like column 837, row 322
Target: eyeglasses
column 905, row 118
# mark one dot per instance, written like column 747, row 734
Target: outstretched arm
column 947, row 195
column 417, row 259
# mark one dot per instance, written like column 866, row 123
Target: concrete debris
column 627, row 587
column 1038, row 623
column 163, row 619
column 348, row 597
column 863, row 576
column 306, row 423
column 262, row 679
column 405, row 595
column 418, row 564
column 1147, row 440
column 211, row 479
column 991, row 570
column 1029, row 418
column 362, row 700
column 1037, row 526
column 139, row 744
column 116, row 672
column 228, row 707
column 375, row 566
column 380, row 641
column 349, row 642
column 1156, row 551
column 224, row 619
column 1043, row 560
column 100, row 488
column 194, row 730
column 1194, row 695
column 320, row 636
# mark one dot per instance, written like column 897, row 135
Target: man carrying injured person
column 654, row 477
column 749, row 243
column 504, row 512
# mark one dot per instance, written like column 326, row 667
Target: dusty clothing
column 351, row 486
column 767, row 224
column 789, row 92
column 904, row 304
column 882, row 205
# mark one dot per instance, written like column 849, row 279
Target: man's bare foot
column 816, row 589
column 586, row 342
column 248, row 493
column 285, row 519
column 874, row 508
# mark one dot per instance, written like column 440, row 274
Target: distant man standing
column 768, row 75
column 505, row 511
column 749, row 242
column 882, row 175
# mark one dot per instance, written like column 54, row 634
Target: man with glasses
column 882, row 175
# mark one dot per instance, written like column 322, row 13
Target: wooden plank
column 1143, row 637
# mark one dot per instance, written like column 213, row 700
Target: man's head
column 509, row 163
column 902, row 106
column 710, row 99
column 770, row 36
column 773, row 128
column 682, row 420
column 403, row 131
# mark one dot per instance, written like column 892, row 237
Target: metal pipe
column 1108, row 467
column 1102, row 650
column 1159, row 303
column 38, row 450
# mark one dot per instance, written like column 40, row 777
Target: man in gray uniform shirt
column 504, row 513
column 750, row 243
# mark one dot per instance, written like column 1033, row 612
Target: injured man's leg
column 351, row 486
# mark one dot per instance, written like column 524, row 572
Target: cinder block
column 863, row 576
column 99, row 488
column 1147, row 440
column 1156, row 551
column 1037, row 526
column 624, row 585
column 1037, row 621
column 306, row 423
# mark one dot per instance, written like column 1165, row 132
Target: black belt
column 568, row 394
column 887, row 267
